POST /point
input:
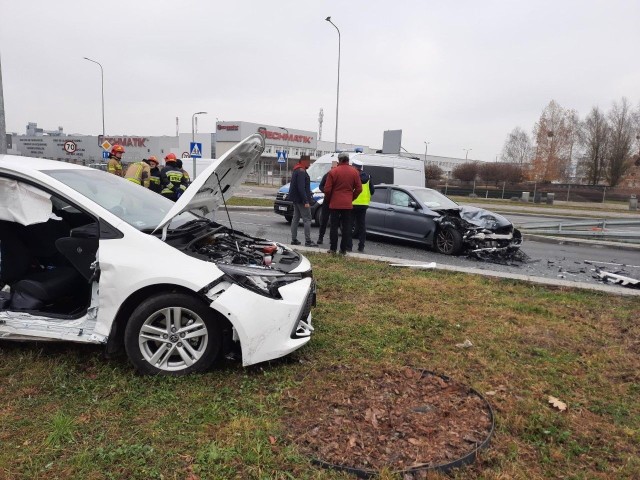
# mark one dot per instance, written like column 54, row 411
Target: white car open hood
column 222, row 177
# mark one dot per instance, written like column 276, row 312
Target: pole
column 102, row 89
column 193, row 137
column 3, row 125
column 604, row 193
column 504, row 183
column 568, row 190
column 335, row 145
column 286, row 158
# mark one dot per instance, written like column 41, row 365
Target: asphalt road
column 567, row 262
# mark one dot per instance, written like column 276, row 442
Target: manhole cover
column 400, row 418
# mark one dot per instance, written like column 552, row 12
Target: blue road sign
column 280, row 159
column 105, row 154
column 195, row 150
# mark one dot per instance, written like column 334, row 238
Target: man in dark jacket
column 360, row 205
column 324, row 209
column 300, row 196
column 342, row 188
column 172, row 179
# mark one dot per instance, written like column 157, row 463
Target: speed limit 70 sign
column 70, row 146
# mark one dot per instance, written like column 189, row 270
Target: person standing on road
column 139, row 173
column 184, row 172
column 342, row 188
column 300, row 196
column 360, row 205
column 115, row 160
column 154, row 178
column 171, row 178
column 324, row 209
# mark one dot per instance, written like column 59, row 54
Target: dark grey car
column 429, row 217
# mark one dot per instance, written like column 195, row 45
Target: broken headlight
column 264, row 281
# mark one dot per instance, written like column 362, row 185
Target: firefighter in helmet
column 184, row 172
column 154, row 179
column 139, row 173
column 115, row 160
column 172, row 179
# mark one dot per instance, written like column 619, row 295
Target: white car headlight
column 264, row 281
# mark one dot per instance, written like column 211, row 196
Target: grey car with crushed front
column 425, row 215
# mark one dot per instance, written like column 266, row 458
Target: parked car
column 429, row 217
column 93, row 258
column 383, row 169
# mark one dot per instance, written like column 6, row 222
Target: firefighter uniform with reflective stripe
column 173, row 182
column 139, row 173
column 154, row 180
column 114, row 166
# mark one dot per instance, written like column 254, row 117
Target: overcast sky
column 459, row 74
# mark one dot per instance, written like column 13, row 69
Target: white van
column 383, row 168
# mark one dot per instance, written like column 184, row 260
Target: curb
column 603, row 288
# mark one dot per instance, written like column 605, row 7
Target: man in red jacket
column 342, row 187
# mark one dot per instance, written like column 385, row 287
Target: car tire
column 448, row 241
column 288, row 218
column 317, row 218
column 172, row 334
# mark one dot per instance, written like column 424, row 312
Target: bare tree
column 465, row 172
column 517, row 147
column 622, row 124
column 594, row 138
column 491, row 172
column 433, row 172
column 553, row 135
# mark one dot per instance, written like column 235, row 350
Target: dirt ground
column 397, row 418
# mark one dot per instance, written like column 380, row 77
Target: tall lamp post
column 193, row 137
column 102, row 83
column 335, row 145
column 426, row 147
column 467, row 150
column 3, row 124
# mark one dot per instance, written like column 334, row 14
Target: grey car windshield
column 433, row 199
column 136, row 205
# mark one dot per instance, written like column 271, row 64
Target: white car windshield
column 136, row 205
column 317, row 171
column 433, row 199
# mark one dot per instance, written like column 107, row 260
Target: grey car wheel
column 448, row 241
column 173, row 334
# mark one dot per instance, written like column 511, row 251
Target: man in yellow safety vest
column 360, row 205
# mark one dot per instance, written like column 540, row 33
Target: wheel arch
column 115, row 341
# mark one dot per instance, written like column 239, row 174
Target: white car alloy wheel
column 173, row 339
column 173, row 334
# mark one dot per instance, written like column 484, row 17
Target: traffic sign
column 70, row 146
column 105, row 154
column 106, row 145
column 185, row 154
column 280, row 159
column 195, row 150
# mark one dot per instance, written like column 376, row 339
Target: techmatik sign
column 237, row 131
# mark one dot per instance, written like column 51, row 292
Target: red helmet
column 171, row 157
column 153, row 158
column 117, row 149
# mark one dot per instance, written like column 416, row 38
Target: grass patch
column 66, row 412
column 250, row 202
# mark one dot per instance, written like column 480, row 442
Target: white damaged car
column 90, row 257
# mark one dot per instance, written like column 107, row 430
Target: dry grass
column 65, row 412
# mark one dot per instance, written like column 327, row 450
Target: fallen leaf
column 272, row 440
column 352, row 441
column 466, row 344
column 560, row 405
column 490, row 393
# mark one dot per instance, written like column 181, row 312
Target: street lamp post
column 335, row 145
column 102, row 88
column 193, row 137
column 467, row 150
